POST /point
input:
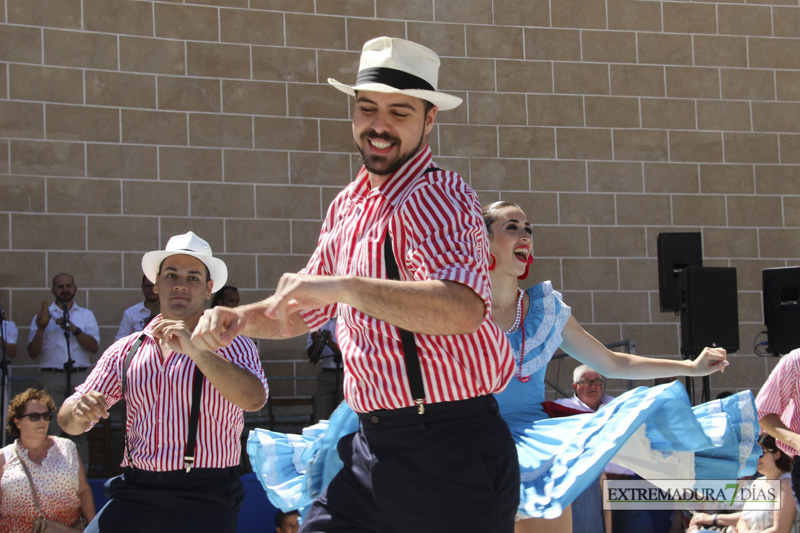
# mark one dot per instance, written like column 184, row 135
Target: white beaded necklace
column 518, row 318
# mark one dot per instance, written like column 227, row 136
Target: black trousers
column 205, row 499
column 454, row 468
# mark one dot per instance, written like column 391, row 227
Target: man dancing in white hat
column 402, row 259
column 184, row 405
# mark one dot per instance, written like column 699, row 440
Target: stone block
column 220, row 130
column 186, row 22
column 121, row 161
column 586, row 209
column 190, row 164
column 159, row 56
column 189, row 94
column 47, row 158
column 80, row 49
column 83, row 196
column 120, row 89
column 118, row 16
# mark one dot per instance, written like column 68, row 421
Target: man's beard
column 393, row 166
column 65, row 298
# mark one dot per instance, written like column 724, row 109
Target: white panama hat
column 391, row 65
column 192, row 245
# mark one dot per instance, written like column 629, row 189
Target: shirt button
column 361, row 384
column 374, row 419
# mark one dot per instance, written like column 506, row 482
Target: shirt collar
column 148, row 329
column 397, row 182
column 54, row 306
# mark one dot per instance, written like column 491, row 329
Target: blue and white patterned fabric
column 294, row 469
column 654, row 431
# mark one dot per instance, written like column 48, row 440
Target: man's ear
column 575, row 387
column 429, row 119
column 209, row 289
column 155, row 283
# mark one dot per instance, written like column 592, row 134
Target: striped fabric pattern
column 780, row 396
column 437, row 233
column 159, row 400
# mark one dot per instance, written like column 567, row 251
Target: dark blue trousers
column 205, row 499
column 454, row 468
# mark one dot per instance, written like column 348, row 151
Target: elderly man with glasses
column 588, row 387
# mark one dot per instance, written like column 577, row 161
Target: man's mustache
column 380, row 136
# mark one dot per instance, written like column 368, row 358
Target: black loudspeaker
column 709, row 309
column 676, row 251
column 782, row 308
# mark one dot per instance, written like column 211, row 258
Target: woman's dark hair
column 17, row 407
column 280, row 515
column 220, row 295
column 784, row 462
column 492, row 211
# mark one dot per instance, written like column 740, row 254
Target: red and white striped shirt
column 780, row 396
column 437, row 233
column 159, row 395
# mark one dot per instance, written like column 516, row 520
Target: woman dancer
column 558, row 457
column 537, row 322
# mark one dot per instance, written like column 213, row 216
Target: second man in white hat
column 184, row 405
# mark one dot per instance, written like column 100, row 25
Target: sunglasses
column 35, row 417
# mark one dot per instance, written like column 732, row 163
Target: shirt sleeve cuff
column 315, row 318
column 465, row 276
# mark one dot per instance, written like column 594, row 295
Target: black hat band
column 393, row 78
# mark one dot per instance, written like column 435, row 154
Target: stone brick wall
column 123, row 122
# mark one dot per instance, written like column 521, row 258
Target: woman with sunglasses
column 773, row 464
column 63, row 498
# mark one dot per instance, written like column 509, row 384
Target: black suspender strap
column 413, row 368
column 194, row 417
column 125, row 365
column 194, row 414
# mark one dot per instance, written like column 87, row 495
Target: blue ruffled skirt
column 653, row 431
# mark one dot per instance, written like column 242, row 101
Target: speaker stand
column 705, row 395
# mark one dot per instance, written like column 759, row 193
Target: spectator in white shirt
column 8, row 330
column 51, row 339
column 137, row 316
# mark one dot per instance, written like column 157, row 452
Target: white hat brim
column 217, row 270
column 443, row 101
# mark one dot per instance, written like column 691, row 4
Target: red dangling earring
column 527, row 268
column 494, row 262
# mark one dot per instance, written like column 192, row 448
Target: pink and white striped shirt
column 159, row 400
column 437, row 233
column 780, row 396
